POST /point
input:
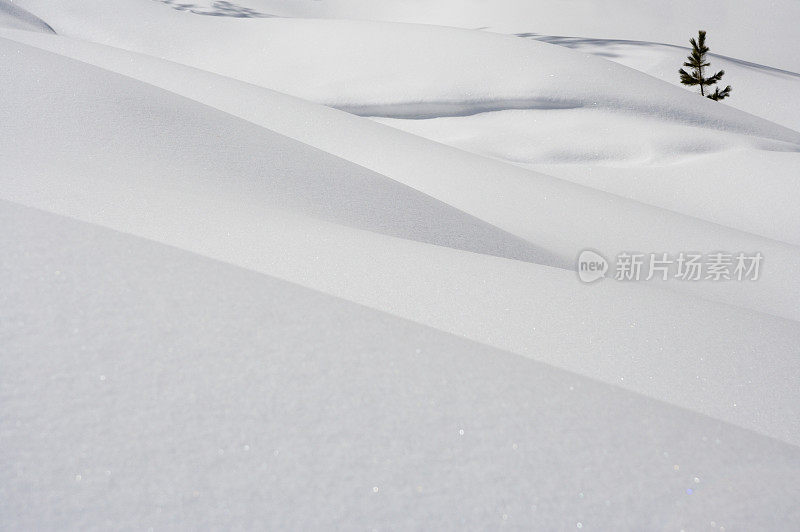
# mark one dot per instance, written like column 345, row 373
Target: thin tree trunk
column 700, row 70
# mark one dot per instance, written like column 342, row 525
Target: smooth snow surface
column 762, row 90
column 311, row 265
column 765, row 33
column 188, row 393
column 13, row 16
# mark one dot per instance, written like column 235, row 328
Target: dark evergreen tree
column 696, row 61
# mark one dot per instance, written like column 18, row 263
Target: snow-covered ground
column 311, row 264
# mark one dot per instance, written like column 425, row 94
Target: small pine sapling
column 696, row 61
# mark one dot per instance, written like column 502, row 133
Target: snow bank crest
column 13, row 16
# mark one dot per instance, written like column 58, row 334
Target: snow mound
column 13, row 16
column 768, row 28
column 225, row 306
column 524, row 204
column 583, row 136
column 187, row 392
column 238, row 192
column 734, row 188
column 278, row 173
column 517, row 100
column 761, row 90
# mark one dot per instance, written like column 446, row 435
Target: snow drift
column 225, row 305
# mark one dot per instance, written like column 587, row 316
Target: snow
column 265, row 272
column 755, row 32
column 755, row 84
column 545, row 114
column 409, row 60
column 707, row 187
column 189, row 393
column 13, row 16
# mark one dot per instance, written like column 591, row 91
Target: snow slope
column 14, row 17
column 757, row 191
column 188, row 393
column 184, row 184
column 547, row 113
column 761, row 33
column 447, row 171
column 411, row 61
column 761, row 90
column 643, row 122
column 225, row 306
